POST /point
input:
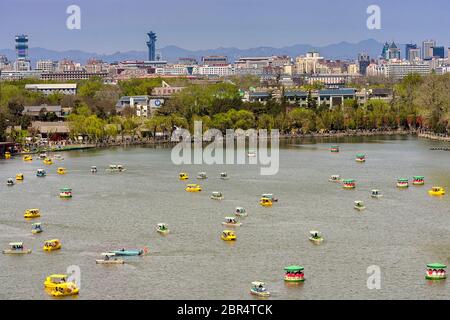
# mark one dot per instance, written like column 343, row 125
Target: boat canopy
column 293, row 268
column 202, row 174
column 217, row 194
column 66, row 189
column 93, row 167
column 436, row 266
column 358, row 202
column 40, row 170
column 52, row 241
column 36, row 224
column 313, row 233
column 335, row 176
column 16, row 244
column 267, row 195
column 223, row 174
column 230, row 218
column 258, row 283
column 193, row 186
column 349, row 181
column 402, row 180
column 240, row 209
column 419, row 177
column 33, row 210
column 335, row 146
column 360, row 155
column 58, row 276
column 108, row 254
column 228, row 232
column 375, row 191
column 436, row 188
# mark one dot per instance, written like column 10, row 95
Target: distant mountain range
column 342, row 50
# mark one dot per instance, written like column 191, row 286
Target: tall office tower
column 427, row 49
column 384, row 52
column 393, row 52
column 414, row 54
column 151, row 44
column 439, row 52
column 408, row 48
column 22, row 63
column 363, row 62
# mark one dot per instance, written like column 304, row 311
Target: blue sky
column 108, row 26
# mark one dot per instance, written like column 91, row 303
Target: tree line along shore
column 419, row 105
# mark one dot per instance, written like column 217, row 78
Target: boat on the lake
column 359, row 205
column 36, row 228
column 315, row 237
column 65, row 193
column 94, row 169
column 115, row 168
column 10, row 182
column 27, row 157
column 19, row 177
column 183, row 176
column 16, row 248
column 65, row 289
column 55, row 279
column 258, row 288
column 228, row 235
column 193, row 188
column 334, row 148
column 61, row 170
column 162, row 228
column 231, row 222
column 294, row 274
column 7, row 155
column 418, row 180
column 349, row 184
column 216, row 195
column 402, row 183
column 251, row 153
column 265, row 202
column 269, row 196
column 436, row 191
column 376, row 193
column 52, row 245
column 109, row 258
column 360, row 157
column 335, row 178
column 240, row 212
column 32, row 213
column 129, row 252
column 202, row 176
column 43, row 156
column 223, row 176
column 48, row 161
column 58, row 157
column 436, row 271
column 41, row 173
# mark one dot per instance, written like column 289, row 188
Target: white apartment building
column 402, row 69
column 220, row 71
column 46, row 65
column 47, row 89
column 173, row 70
column 309, row 63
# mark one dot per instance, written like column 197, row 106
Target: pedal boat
column 16, row 248
column 32, row 213
column 360, row 157
column 107, row 259
column 315, row 237
column 359, row 205
column 402, row 183
column 376, row 194
column 228, row 235
column 265, row 202
column 183, row 176
column 27, row 158
column 217, row 195
column 335, row 178
column 240, row 212
column 162, row 229
column 418, row 180
column 294, row 274
column 231, row 222
column 52, row 245
column 334, row 148
column 10, row 182
column 61, row 170
column 40, row 173
column 258, row 289
column 436, row 271
column 48, row 161
column 55, row 279
column 65, row 193
column 349, row 184
column 193, row 188
column 19, row 177
column 36, row 228
column 436, row 191
column 202, row 176
column 65, row 289
column 223, row 176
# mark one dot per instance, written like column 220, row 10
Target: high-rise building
column 215, row 60
column 427, row 49
column 363, row 62
column 393, row 52
column 46, row 65
column 384, row 52
column 151, row 44
column 414, row 54
column 408, row 48
column 439, row 52
column 22, row 63
column 22, row 47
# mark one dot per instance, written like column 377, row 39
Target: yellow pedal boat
column 51, row 245
column 193, row 188
column 32, row 213
column 228, row 235
column 183, row 176
column 19, row 176
column 265, row 202
column 436, row 191
column 65, row 289
column 27, row 158
column 61, row 170
column 48, row 161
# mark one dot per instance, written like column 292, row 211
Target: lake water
column 400, row 233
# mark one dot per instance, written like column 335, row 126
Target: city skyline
column 249, row 25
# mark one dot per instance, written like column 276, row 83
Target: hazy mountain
column 342, row 50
